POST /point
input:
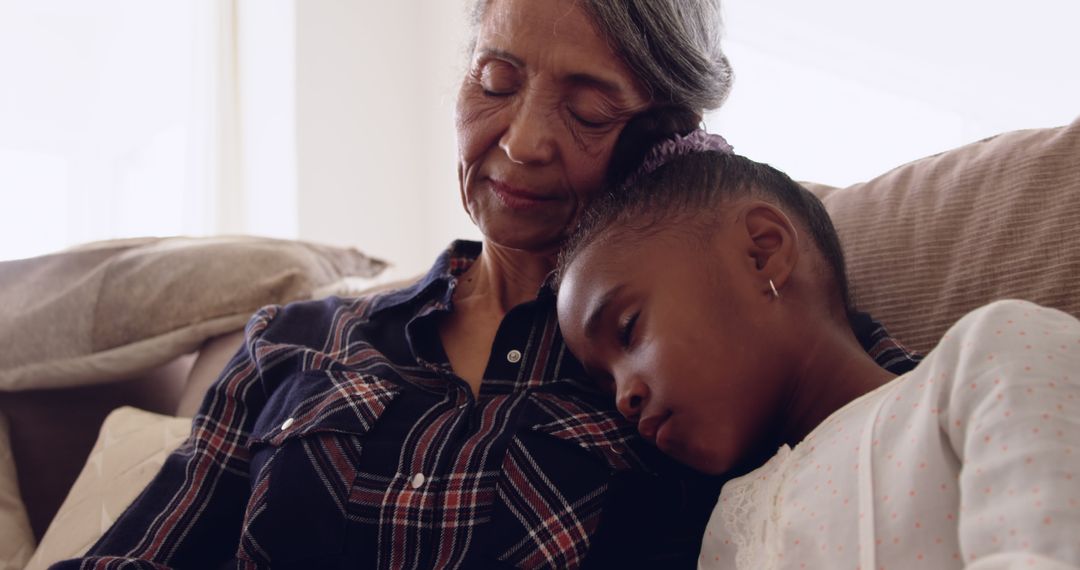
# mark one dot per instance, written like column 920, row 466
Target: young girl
column 740, row 348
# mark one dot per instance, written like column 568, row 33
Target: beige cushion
column 16, row 540
column 130, row 449
column 933, row 239
column 106, row 311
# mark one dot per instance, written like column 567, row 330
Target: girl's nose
column 630, row 400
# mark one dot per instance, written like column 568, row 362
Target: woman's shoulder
column 331, row 305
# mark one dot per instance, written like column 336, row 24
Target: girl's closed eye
column 626, row 330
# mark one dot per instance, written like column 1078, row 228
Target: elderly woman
column 445, row 425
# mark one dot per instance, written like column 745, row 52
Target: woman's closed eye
column 590, row 121
column 594, row 111
column 498, row 78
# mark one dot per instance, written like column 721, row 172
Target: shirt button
column 287, row 423
column 514, row 356
column 417, row 480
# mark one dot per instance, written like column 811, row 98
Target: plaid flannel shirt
column 339, row 436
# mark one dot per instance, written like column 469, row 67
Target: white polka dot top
column 972, row 460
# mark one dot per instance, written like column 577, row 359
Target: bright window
column 104, row 121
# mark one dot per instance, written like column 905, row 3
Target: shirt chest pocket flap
column 603, row 433
column 322, row 402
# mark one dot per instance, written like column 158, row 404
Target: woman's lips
column 518, row 198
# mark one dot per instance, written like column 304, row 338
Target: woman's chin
column 526, row 237
column 540, row 229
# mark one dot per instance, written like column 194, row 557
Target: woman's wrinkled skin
column 538, row 115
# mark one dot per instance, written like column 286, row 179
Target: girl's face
column 538, row 115
column 679, row 329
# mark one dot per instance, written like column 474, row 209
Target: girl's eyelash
column 626, row 331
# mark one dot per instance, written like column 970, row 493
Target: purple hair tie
column 693, row 142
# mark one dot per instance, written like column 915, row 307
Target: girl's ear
column 773, row 244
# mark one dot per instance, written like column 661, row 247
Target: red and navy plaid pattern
column 338, row 436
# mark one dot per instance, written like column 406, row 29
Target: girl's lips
column 649, row 426
column 518, row 198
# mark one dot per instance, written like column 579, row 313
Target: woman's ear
column 773, row 242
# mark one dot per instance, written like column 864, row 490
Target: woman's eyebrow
column 609, row 88
column 501, row 54
column 595, row 313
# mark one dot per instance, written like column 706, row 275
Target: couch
column 925, row 243
column 136, row 323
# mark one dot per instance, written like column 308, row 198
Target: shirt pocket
column 603, row 433
column 305, row 455
column 555, row 480
column 316, row 402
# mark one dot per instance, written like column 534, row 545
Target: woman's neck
column 502, row 277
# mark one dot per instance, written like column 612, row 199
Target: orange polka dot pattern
column 974, row 462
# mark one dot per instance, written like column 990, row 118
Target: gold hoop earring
column 775, row 293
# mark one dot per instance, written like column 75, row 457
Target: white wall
column 375, row 126
column 264, row 178
column 839, row 91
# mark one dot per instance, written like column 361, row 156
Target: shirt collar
column 435, row 285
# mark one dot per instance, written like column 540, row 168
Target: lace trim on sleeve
column 751, row 512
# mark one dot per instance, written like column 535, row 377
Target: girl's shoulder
column 1011, row 328
column 1003, row 345
column 1010, row 315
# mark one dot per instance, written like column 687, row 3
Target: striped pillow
column 931, row 240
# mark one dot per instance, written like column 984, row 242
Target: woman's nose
column 527, row 139
column 630, row 400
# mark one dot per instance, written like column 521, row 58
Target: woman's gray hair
column 672, row 46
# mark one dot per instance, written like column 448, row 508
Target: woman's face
column 678, row 331
column 538, row 114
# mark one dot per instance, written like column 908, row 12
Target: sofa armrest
column 52, row 431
